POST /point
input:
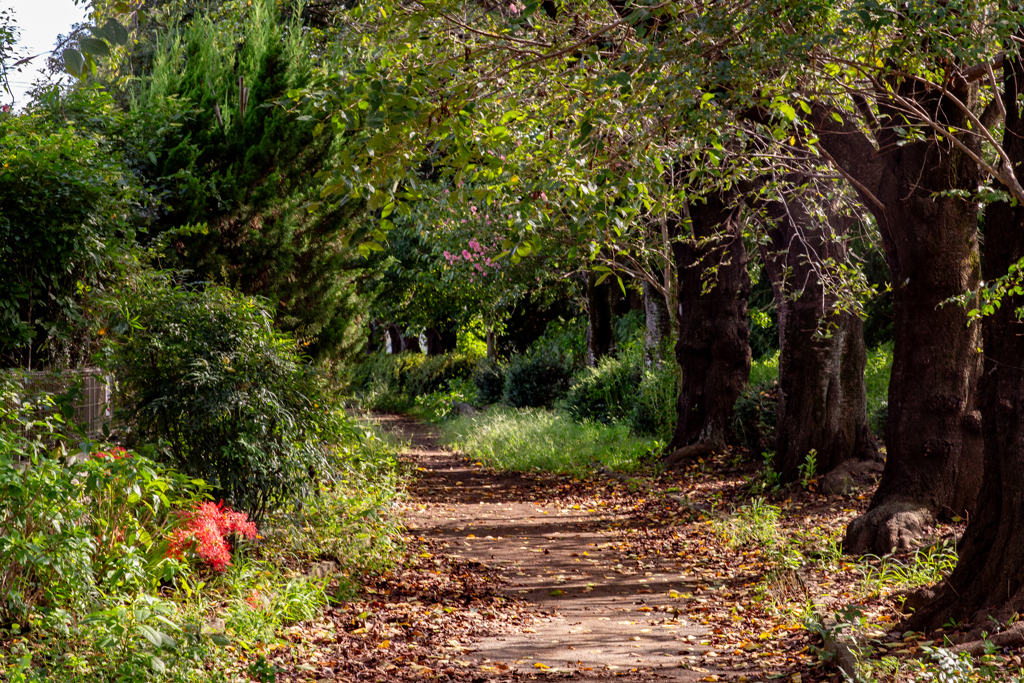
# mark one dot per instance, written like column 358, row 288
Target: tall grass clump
column 539, row 440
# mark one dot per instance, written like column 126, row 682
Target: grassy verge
column 533, row 439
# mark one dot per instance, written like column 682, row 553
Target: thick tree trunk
column 411, row 343
column 989, row 578
column 822, row 395
column 440, row 341
column 658, row 324
column 394, row 339
column 713, row 348
column 933, row 436
column 600, row 333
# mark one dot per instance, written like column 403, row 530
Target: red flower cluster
column 115, row 453
column 204, row 528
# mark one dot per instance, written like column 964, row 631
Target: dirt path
column 598, row 613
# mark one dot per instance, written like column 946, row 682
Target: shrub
column 435, row 373
column 489, row 379
column 350, row 519
column 567, row 338
column 755, row 415
column 75, row 526
column 606, row 393
column 226, row 396
column 441, row 405
column 654, row 409
column 385, row 381
column 876, row 380
column 536, row 379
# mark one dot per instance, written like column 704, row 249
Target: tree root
column 682, row 456
column 1013, row 638
column 894, row 525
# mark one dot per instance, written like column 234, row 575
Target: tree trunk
column 440, row 341
column 658, row 325
column 411, row 343
column 713, row 349
column 989, row 578
column 492, row 351
column 933, row 435
column 600, row 333
column 372, row 345
column 822, row 396
column 394, row 339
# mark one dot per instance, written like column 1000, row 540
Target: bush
column 435, row 373
column 607, row 393
column 876, row 379
column 350, row 519
column 391, row 382
column 489, row 379
column 227, row 397
column 533, row 439
column 536, row 380
column 755, row 416
column 654, row 410
column 75, row 526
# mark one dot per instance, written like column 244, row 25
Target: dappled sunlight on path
column 601, row 610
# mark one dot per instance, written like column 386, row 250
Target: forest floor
column 674, row 577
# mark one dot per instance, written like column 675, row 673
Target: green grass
column 533, row 439
column 764, row 370
column 876, row 376
column 925, row 567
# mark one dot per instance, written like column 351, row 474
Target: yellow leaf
column 538, row 665
column 384, row 644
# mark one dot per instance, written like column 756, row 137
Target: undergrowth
column 92, row 592
column 541, row 440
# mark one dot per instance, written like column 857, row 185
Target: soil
column 596, row 615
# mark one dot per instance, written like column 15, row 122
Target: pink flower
column 478, row 267
column 466, row 255
column 513, row 9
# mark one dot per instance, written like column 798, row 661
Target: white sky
column 39, row 22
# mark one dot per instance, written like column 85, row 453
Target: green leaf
column 74, row 62
column 115, row 31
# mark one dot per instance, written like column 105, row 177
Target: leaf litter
column 742, row 612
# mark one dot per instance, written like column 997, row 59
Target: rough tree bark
column 440, row 341
column 600, row 333
column 989, row 577
column 933, row 435
column 822, row 395
column 713, row 348
column 658, row 324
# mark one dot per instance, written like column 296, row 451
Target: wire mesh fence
column 89, row 390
